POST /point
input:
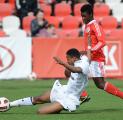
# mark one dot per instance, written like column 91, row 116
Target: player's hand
column 89, row 55
column 58, row 60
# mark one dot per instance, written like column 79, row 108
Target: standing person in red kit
column 95, row 41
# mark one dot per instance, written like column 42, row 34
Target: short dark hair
column 87, row 8
column 73, row 52
column 37, row 11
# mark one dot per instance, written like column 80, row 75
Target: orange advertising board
column 44, row 49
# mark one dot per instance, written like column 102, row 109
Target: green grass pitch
column 102, row 106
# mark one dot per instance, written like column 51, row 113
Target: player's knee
column 41, row 112
column 37, row 100
column 99, row 82
column 100, row 85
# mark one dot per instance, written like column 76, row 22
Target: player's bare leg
column 108, row 87
column 51, row 108
column 45, row 97
column 99, row 82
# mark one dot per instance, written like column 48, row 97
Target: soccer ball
column 4, row 104
column 32, row 76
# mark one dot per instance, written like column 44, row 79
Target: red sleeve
column 99, row 33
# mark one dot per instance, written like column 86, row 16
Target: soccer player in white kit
column 62, row 96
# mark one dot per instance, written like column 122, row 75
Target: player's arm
column 100, row 36
column 67, row 66
column 89, row 47
column 67, row 73
column 88, row 51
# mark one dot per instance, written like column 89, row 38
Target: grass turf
column 102, row 106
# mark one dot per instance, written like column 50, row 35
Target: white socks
column 21, row 102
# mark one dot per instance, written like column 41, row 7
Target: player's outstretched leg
column 51, row 108
column 31, row 100
column 108, row 87
column 22, row 102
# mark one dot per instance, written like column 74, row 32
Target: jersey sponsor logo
column 7, row 58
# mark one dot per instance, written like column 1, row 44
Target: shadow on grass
column 65, row 112
column 93, row 111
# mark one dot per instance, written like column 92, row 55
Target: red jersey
column 97, row 40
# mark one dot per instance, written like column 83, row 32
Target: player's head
column 72, row 55
column 87, row 13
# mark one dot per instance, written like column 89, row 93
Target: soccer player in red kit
column 95, row 41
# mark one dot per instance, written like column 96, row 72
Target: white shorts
column 96, row 69
column 58, row 94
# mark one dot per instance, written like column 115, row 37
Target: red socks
column 84, row 93
column 110, row 89
column 113, row 90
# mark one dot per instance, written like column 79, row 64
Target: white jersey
column 78, row 81
column 69, row 95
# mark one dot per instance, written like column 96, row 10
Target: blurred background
column 33, row 31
